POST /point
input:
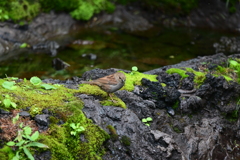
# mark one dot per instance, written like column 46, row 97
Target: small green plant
column 15, row 119
column 24, row 45
column 3, row 15
column 9, row 85
column 35, row 81
column 24, row 140
column 38, row 82
column 76, row 128
column 134, row 70
column 147, row 121
column 8, row 103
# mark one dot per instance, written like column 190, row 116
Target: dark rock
column 126, row 124
column 46, row 155
column 42, row 121
column 123, row 19
column 5, row 112
column 24, row 114
column 98, row 73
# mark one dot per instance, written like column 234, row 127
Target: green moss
column 232, row 117
column 23, row 10
column 117, row 102
column 163, row 84
column 199, row 77
column 177, row 130
column 126, row 141
column 63, row 145
column 181, row 72
column 175, row 106
column 92, row 90
column 6, row 153
column 112, row 130
column 135, row 79
column 28, row 95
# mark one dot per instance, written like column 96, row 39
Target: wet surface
column 112, row 48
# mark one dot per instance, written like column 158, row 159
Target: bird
column 110, row 83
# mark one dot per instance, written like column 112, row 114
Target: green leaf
column 80, row 129
column 9, row 85
column 148, row 124
column 6, row 16
column 27, row 130
column 23, row 45
column 48, row 86
column 34, row 136
column 20, row 143
column 14, row 105
column 73, row 133
column 36, row 144
column 15, row 119
column 233, row 63
column 29, row 155
column 73, row 125
column 35, row 81
column 19, row 136
column 134, row 68
column 16, row 157
column 149, row 119
column 144, row 120
column 14, row 78
column 7, row 102
column 11, row 143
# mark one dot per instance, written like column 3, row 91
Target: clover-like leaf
column 9, row 85
column 7, row 102
column 23, row 45
column 35, row 81
column 149, row 119
column 48, row 86
column 144, row 120
column 27, row 130
column 134, row 68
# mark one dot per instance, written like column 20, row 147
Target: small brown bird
column 110, row 83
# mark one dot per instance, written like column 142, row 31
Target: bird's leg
column 111, row 97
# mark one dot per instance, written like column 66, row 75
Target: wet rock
column 35, row 34
column 48, row 46
column 123, row 19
